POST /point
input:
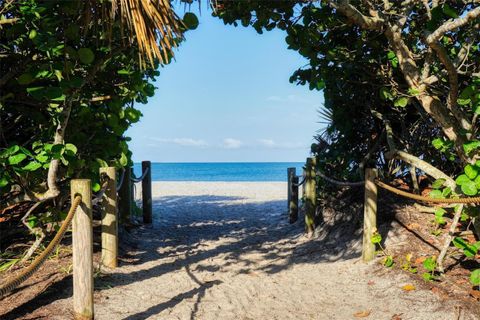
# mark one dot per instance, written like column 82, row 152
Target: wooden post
column 476, row 225
column 82, row 251
column 310, row 196
column 291, row 172
column 109, row 220
column 125, row 194
column 303, row 186
column 147, row 191
column 293, row 203
column 133, row 189
column 369, row 214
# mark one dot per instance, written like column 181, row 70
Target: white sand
column 226, row 251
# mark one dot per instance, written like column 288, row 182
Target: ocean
column 220, row 171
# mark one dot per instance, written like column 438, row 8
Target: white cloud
column 184, row 142
column 269, row 143
column 230, row 143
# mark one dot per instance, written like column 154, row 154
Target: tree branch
column 8, row 21
column 453, row 24
column 352, row 13
column 424, row 166
column 450, row 236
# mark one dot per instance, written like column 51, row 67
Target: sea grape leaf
column 461, row 179
column 469, row 188
column 16, row 159
column 438, row 183
column 190, row 20
column 475, row 277
column 471, row 171
column 86, row 55
column 429, row 264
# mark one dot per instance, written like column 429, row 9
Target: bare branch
column 8, row 21
column 450, row 236
column 424, row 166
column 453, row 24
column 427, row 8
column 352, row 13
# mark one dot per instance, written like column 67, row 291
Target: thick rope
column 425, row 199
column 100, row 194
column 300, row 183
column 30, row 270
column 341, row 183
column 141, row 178
column 120, row 182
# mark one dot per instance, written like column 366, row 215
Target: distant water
column 221, row 171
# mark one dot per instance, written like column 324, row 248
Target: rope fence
column 120, row 181
column 340, row 183
column 110, row 199
column 370, row 185
column 37, row 263
column 140, row 179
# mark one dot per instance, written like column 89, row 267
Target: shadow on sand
column 183, row 223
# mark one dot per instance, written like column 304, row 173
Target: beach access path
column 225, row 250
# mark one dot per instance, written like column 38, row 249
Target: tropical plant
column 70, row 75
column 401, row 82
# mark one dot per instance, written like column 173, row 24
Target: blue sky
column 227, row 98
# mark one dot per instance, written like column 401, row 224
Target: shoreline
column 266, row 190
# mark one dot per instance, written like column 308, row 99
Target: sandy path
column 226, row 251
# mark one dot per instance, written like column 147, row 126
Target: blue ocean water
column 220, row 171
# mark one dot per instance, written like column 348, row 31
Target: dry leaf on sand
column 408, row 287
column 362, row 314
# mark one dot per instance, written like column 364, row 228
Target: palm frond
column 153, row 24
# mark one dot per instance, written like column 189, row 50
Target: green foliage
column 430, row 265
column 475, row 277
column 365, row 87
column 407, row 265
column 439, row 219
column 376, row 238
column 469, row 250
column 63, row 71
column 469, row 182
column 388, row 260
column 190, row 20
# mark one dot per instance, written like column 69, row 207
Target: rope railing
column 82, row 232
column 371, row 185
column 300, row 183
column 417, row 197
column 37, row 263
column 136, row 180
column 120, row 181
column 101, row 192
column 340, row 183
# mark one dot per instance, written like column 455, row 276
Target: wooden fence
column 309, row 182
column 111, row 204
column 83, row 233
column 370, row 185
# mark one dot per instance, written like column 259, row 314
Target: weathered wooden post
column 293, row 203
column 125, row 194
column 109, row 220
column 310, row 195
column 291, row 172
column 369, row 214
column 304, row 174
column 82, row 251
column 147, row 191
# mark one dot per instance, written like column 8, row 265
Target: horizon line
column 168, row 162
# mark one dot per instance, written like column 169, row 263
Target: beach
column 224, row 250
